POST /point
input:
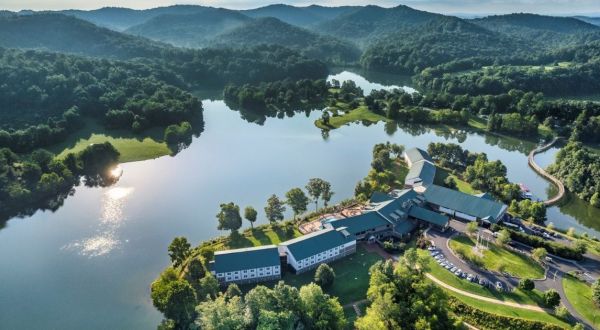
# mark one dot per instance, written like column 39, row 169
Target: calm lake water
column 90, row 263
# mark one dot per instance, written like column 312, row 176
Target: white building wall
column 249, row 275
column 319, row 258
column 465, row 216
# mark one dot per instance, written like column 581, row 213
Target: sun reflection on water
column 112, row 217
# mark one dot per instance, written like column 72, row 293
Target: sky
column 477, row 7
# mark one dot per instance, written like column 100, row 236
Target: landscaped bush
column 492, row 321
column 554, row 248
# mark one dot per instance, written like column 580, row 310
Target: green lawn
column 509, row 311
column 523, row 297
column 580, row 296
column 263, row 235
column 132, row 147
column 351, row 280
column 441, row 175
column 362, row 113
column 498, row 259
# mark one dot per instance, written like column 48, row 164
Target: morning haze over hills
column 334, row 34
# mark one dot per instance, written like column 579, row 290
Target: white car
column 453, row 269
column 499, row 286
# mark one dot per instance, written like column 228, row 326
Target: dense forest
column 579, row 169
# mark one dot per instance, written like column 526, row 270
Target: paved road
column 554, row 273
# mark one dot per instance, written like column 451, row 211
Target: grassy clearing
column 510, row 311
column 523, row 297
column 131, row 146
column 351, row 280
column 441, row 175
column 263, row 235
column 498, row 259
column 362, row 113
column 580, row 296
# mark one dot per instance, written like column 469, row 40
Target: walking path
column 542, row 172
column 478, row 297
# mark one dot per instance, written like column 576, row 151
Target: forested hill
column 436, row 42
column 273, row 31
column 542, row 29
column 122, row 18
column 62, row 33
column 591, row 20
column 300, row 16
column 373, row 22
column 190, row 30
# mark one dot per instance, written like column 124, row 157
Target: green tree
column 503, row 237
column 562, row 312
column 209, row 287
column 471, row 227
column 297, row 200
column 315, row 189
column 326, row 192
column 526, row 284
column 250, row 214
column 274, row 209
column 270, row 320
column 98, row 158
column 596, row 293
column 179, row 250
column 449, row 182
column 196, row 269
column 539, row 254
column 325, row 118
column 401, row 298
column 551, row 298
column 319, row 310
column 580, row 246
column 595, row 199
column 222, row 313
column 229, row 217
column 233, row 291
column 207, row 253
column 174, row 297
column 324, row 276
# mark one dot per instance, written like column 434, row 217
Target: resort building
column 257, row 264
column 309, row 251
column 463, row 206
column 421, row 168
column 393, row 214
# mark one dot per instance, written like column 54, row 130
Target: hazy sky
column 558, row 7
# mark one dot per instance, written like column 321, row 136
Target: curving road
column 542, row 172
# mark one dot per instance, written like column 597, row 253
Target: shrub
column 491, row 321
column 596, row 293
column 558, row 249
column 324, row 276
column 526, row 284
column 551, row 298
column 562, row 312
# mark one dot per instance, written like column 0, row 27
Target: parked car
column 483, row 282
column 434, row 253
column 499, row 286
column 453, row 269
column 431, row 248
column 470, row 277
column 463, row 275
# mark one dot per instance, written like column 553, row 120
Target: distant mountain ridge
column 300, row 16
column 63, row 33
column 190, row 30
column 271, row 30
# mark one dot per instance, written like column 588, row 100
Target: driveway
column 554, row 273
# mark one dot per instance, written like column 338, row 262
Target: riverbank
column 538, row 169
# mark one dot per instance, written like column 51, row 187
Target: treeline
column 44, row 97
column 440, row 41
column 400, row 297
column 270, row 99
column 42, row 180
column 384, row 174
column 579, row 170
column 552, row 247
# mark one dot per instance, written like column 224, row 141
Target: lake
column 90, row 263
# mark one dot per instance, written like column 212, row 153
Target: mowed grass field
column 580, row 296
column 351, row 276
column 497, row 258
column 132, row 147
